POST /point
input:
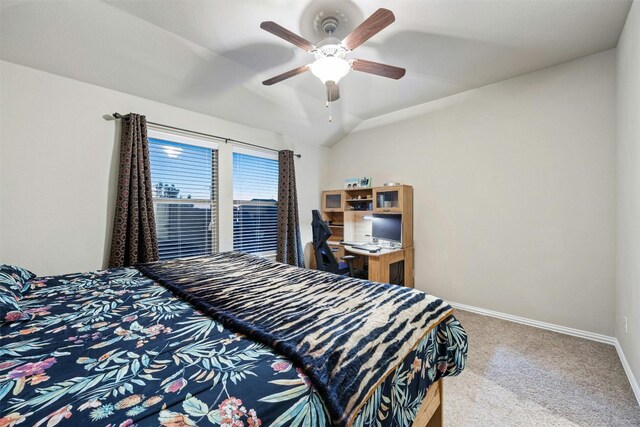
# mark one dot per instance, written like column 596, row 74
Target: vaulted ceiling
column 210, row 56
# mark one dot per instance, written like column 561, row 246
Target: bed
column 118, row 348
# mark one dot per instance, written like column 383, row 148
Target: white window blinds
column 184, row 180
column 255, row 201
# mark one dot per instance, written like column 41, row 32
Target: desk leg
column 379, row 269
column 408, row 268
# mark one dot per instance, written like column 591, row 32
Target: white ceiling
column 210, row 56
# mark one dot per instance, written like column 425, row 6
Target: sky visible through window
column 254, row 177
column 187, row 167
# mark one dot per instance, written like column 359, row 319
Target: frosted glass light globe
column 330, row 68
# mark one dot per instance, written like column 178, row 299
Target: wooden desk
column 350, row 214
column 379, row 263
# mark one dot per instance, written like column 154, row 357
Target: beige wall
column 514, row 189
column 628, row 250
column 59, row 168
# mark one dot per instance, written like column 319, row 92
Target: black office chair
column 325, row 260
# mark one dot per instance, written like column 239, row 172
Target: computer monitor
column 387, row 227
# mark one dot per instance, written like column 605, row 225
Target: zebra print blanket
column 346, row 334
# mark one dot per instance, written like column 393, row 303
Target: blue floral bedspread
column 113, row 348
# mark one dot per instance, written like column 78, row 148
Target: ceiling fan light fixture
column 330, row 68
column 331, row 62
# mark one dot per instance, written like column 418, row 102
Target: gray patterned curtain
column 289, row 242
column 134, row 237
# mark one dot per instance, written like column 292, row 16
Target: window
column 255, row 202
column 184, row 177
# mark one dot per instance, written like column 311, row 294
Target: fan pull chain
column 328, row 105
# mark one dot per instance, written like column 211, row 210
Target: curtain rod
column 226, row 140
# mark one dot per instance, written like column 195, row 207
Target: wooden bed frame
column 430, row 412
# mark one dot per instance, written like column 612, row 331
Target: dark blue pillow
column 16, row 279
column 14, row 285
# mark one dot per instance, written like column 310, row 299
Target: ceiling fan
column 331, row 62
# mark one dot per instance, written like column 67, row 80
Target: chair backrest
column 325, row 260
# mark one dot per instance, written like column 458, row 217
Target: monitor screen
column 388, row 227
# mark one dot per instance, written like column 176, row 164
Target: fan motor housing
column 330, row 25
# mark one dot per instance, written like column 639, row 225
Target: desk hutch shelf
column 378, row 200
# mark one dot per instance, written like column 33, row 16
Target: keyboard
column 370, row 248
column 354, row 243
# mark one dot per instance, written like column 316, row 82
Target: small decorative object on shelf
column 351, row 183
column 391, row 184
column 365, row 182
column 357, row 183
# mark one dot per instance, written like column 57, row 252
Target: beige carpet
column 517, row 375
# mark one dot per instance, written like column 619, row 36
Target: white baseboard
column 563, row 330
column 627, row 370
column 537, row 324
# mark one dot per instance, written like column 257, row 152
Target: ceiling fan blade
column 378, row 21
column 378, row 69
column 286, row 75
column 283, row 33
column 333, row 92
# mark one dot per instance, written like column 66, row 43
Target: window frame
column 214, row 200
column 265, row 154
